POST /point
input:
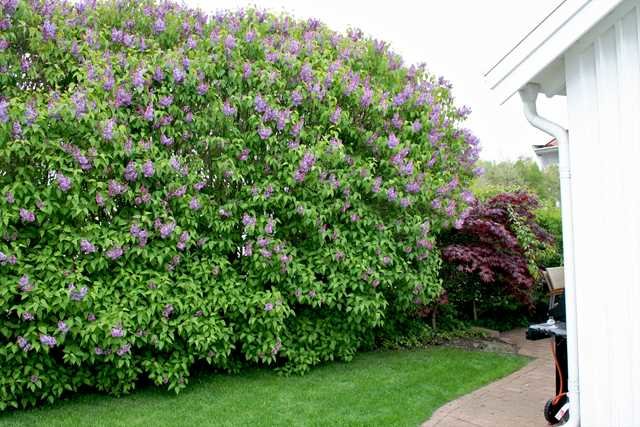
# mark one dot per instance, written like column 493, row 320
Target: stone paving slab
column 516, row 400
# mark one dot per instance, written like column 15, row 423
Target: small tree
column 498, row 242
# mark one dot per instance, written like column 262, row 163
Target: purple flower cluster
column 167, row 311
column 107, row 130
column 182, row 242
column 117, row 332
column 77, row 294
column 64, row 182
column 24, row 284
column 27, row 215
column 248, row 220
column 83, row 161
column 147, row 169
column 23, row 344
column 114, row 253
column 7, row 259
column 139, row 233
column 130, row 172
column 165, row 230
column 306, row 163
column 48, row 340
column 63, row 328
column 115, row 189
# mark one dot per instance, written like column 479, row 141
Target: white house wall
column 603, row 98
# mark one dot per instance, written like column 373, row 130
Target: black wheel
column 550, row 411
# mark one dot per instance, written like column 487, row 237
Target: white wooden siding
column 603, row 98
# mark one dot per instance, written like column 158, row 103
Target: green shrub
column 181, row 189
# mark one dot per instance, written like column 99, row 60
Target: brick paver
column 516, row 400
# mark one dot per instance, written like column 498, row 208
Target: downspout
column 529, row 94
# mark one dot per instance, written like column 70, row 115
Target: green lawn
column 376, row 389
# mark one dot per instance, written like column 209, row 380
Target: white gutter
column 529, row 94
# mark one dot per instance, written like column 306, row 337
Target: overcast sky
column 459, row 39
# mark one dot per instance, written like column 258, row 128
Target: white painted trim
column 546, row 44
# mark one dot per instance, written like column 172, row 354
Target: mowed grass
column 392, row 388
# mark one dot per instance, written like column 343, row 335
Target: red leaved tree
column 498, row 242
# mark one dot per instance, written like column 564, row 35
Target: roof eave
column 538, row 58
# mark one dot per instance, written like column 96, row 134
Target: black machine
column 556, row 409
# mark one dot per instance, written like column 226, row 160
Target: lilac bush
column 237, row 188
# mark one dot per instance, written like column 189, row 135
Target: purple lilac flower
column 165, row 101
column 165, row 140
column 31, row 113
column 306, row 73
column 377, row 183
column 16, row 130
column 268, row 306
column 367, row 96
column 228, row 110
column 4, row 110
column 248, row 220
column 117, row 332
column 296, row 97
column 405, row 202
column 246, row 70
column 28, row 316
column 48, row 340
column 148, row 113
column 130, row 172
column 158, row 74
column 416, row 126
column 159, row 25
column 123, row 97
column 115, row 188
column 48, row 30
column 167, row 229
column 392, row 194
column 392, row 141
column 107, row 131
column 24, row 284
column 126, row 348
column 178, row 74
column 264, row 132
column 27, row 216
column 87, row 247
column 167, row 311
column 138, row 78
column 270, row 226
column 63, row 327
column 147, row 169
column 99, row 199
column 80, row 104
column 23, row 344
column 199, row 185
column 194, row 204
column 9, row 197
column 335, row 117
column 91, row 317
column 114, row 253
column 229, row 42
column 64, row 182
column 413, row 187
column 467, row 196
column 202, row 88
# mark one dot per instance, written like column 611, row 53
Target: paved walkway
column 516, row 400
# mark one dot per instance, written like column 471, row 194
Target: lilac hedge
column 180, row 189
